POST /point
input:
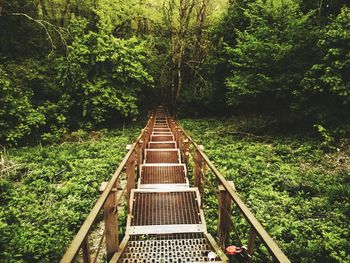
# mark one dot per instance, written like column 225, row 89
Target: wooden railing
column 226, row 195
column 109, row 202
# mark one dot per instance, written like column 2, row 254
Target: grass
column 46, row 192
column 298, row 191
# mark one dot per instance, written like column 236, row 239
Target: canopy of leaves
column 326, row 86
column 269, row 58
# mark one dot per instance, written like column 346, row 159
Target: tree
column 325, row 92
column 271, row 55
column 18, row 117
column 103, row 75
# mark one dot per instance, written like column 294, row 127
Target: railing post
column 251, row 242
column 203, row 179
column 224, row 222
column 186, row 152
column 110, row 215
column 179, row 138
column 86, row 251
column 130, row 173
column 139, row 155
column 146, row 136
column 172, row 126
column 197, row 169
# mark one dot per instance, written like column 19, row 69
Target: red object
column 233, row 250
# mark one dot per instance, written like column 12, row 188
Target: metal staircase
column 166, row 223
column 165, row 218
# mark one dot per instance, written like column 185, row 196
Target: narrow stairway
column 166, row 222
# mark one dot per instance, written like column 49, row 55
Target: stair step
column 163, row 126
column 162, row 145
column 180, row 247
column 162, row 133
column 156, row 208
column 162, row 156
column 163, row 174
column 161, row 130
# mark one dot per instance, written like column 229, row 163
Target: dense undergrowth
column 46, row 192
column 296, row 187
column 298, row 190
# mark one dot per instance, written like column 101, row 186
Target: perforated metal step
column 162, row 133
column 163, row 126
column 162, row 156
column 181, row 247
column 161, row 130
column 165, row 208
column 162, row 138
column 162, row 174
column 162, row 145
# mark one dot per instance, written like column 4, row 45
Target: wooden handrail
column 83, row 232
column 270, row 244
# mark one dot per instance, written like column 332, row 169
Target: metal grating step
column 162, row 133
column 162, row 145
column 162, row 138
column 180, row 247
column 165, row 208
column 161, row 126
column 162, row 156
column 174, row 174
column 161, row 130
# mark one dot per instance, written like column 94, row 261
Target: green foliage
column 270, row 56
column 328, row 140
column 18, row 117
column 101, row 80
column 295, row 189
column 103, row 75
column 46, row 192
column 326, row 86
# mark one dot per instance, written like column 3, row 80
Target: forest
column 264, row 85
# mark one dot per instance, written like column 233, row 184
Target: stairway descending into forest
column 166, row 223
column 165, row 217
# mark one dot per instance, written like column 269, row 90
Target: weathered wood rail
column 130, row 169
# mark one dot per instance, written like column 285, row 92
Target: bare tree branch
column 46, row 26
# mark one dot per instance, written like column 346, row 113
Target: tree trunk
column 64, row 12
column 1, row 6
column 43, row 8
column 185, row 12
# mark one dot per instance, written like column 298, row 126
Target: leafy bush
column 295, row 189
column 18, row 117
column 268, row 59
column 103, row 75
column 46, row 197
column 325, row 89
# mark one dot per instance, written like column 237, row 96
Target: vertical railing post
column 199, row 172
column 251, row 242
column 224, row 222
column 146, row 136
column 197, row 169
column 130, row 173
column 110, row 215
column 173, row 126
column 168, row 119
column 186, row 152
column 86, row 251
column 139, row 155
column 179, row 138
